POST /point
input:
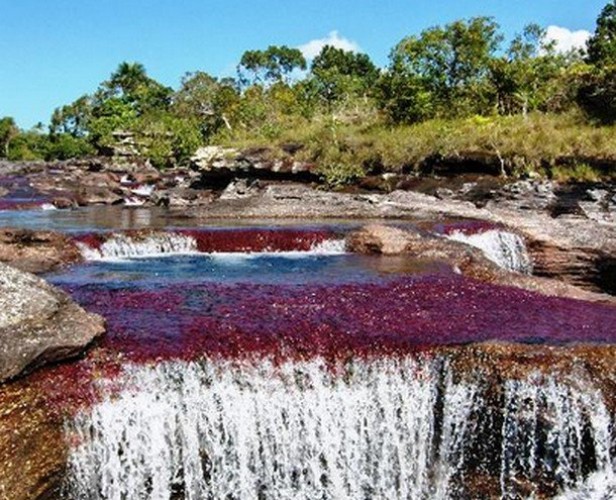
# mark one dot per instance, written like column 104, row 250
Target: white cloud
column 313, row 47
column 566, row 39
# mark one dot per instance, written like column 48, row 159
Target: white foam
column 290, row 431
column 386, row 428
column 506, row 249
column 144, row 190
column 119, row 246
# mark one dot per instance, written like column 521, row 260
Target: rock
column 218, row 166
column 240, row 188
column 63, row 203
column 39, row 324
column 182, row 198
column 36, row 251
column 33, row 452
column 469, row 261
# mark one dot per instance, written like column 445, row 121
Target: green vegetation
column 448, row 91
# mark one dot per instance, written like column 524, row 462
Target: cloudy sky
column 54, row 51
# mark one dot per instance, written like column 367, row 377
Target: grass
column 564, row 147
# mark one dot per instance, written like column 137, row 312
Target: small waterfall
column 506, row 249
column 120, row 246
column 547, row 429
column 125, row 246
column 404, row 428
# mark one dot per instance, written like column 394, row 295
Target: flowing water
column 268, row 363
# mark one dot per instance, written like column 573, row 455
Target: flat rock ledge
column 39, row 324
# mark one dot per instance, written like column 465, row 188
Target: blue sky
column 53, row 51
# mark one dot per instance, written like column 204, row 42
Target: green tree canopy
column 274, row 64
column 8, row 131
column 441, row 71
column 338, row 73
column 602, row 45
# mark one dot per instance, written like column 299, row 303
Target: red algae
column 257, row 240
column 335, row 321
column 232, row 240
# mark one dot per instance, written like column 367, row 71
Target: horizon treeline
column 459, row 70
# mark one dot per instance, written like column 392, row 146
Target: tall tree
column 8, row 132
column 602, row 44
column 274, row 64
column 442, row 71
column 338, row 73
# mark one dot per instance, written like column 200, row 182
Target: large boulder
column 39, row 324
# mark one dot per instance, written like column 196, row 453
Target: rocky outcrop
column 36, row 251
column 39, row 324
column 218, row 166
column 469, row 261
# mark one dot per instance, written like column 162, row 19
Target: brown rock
column 39, row 324
column 61, row 202
column 36, row 251
column 32, row 448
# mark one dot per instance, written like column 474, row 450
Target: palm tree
column 128, row 77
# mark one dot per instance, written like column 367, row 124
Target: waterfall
column 546, row 427
column 120, row 246
column 123, row 246
column 404, row 428
column 506, row 249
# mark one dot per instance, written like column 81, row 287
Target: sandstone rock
column 36, row 251
column 219, row 166
column 39, row 324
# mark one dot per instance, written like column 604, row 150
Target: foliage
column 442, row 72
column 447, row 90
column 274, row 64
column 597, row 94
column 602, row 45
column 338, row 75
column 65, row 146
column 8, row 132
column 206, row 101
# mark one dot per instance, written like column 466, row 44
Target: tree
column 72, row 118
column 601, row 46
column 131, row 84
column 339, row 73
column 274, row 64
column 8, row 132
column 443, row 71
column 597, row 94
column 207, row 100
column 524, row 79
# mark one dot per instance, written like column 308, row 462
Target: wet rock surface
column 39, row 324
column 36, row 251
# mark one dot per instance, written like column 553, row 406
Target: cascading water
column 119, row 246
column 125, row 246
column 383, row 428
column 506, row 249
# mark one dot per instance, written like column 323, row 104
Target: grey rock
column 39, row 324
